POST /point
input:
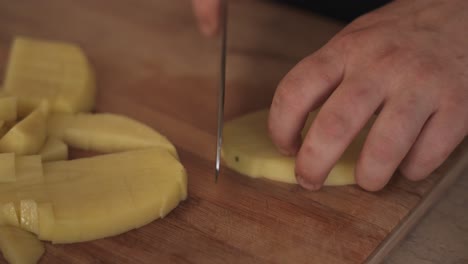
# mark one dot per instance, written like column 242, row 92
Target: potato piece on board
column 54, row 150
column 28, row 135
column 248, row 149
column 7, row 167
column 9, row 215
column 8, row 108
column 19, row 246
column 127, row 189
column 105, row 133
column 54, row 71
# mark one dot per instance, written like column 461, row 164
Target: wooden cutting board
column 154, row 66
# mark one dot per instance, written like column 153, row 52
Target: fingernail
column 307, row 185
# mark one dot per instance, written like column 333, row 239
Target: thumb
column 207, row 13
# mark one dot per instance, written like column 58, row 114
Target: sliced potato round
column 248, row 150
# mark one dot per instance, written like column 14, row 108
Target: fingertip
column 286, row 145
column 370, row 178
column 207, row 15
column 306, row 184
column 369, row 183
column 207, row 28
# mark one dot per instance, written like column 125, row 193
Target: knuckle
column 383, row 149
column 332, row 124
column 424, row 68
column 420, row 166
column 287, row 95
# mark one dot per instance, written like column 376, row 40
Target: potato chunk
column 19, row 246
column 54, row 150
column 28, row 135
column 248, row 149
column 92, row 198
column 127, row 189
column 55, row 71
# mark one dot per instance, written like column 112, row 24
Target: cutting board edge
column 423, row 207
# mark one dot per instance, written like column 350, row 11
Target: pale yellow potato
column 55, row 71
column 28, row 135
column 19, row 246
column 8, row 108
column 29, row 174
column 105, row 133
column 9, row 215
column 92, row 198
column 7, row 167
column 248, row 149
column 54, row 150
column 128, row 189
column 28, row 216
column 5, row 127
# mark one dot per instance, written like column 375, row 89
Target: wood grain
column 153, row 65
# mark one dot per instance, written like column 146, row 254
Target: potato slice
column 127, row 189
column 54, row 150
column 7, row 167
column 27, row 136
column 55, row 71
column 248, row 149
column 8, row 108
column 105, row 133
column 20, row 247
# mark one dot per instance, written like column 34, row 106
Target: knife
column 222, row 85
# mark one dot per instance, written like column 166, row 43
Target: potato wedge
column 28, row 135
column 19, row 246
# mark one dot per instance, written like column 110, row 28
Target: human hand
column 207, row 13
column 408, row 61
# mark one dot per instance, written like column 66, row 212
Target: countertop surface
column 442, row 235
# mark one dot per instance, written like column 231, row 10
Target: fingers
column 207, row 13
column 440, row 137
column 390, row 138
column 338, row 122
column 304, row 88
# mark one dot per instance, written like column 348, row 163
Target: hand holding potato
column 407, row 62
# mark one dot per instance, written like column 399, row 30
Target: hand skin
column 407, row 62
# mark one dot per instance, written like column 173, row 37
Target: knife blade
column 222, row 85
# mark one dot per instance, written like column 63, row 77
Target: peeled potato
column 7, row 167
column 54, row 150
column 8, row 215
column 105, row 133
column 8, row 108
column 28, row 135
column 97, row 197
column 19, row 246
column 55, row 71
column 248, row 149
